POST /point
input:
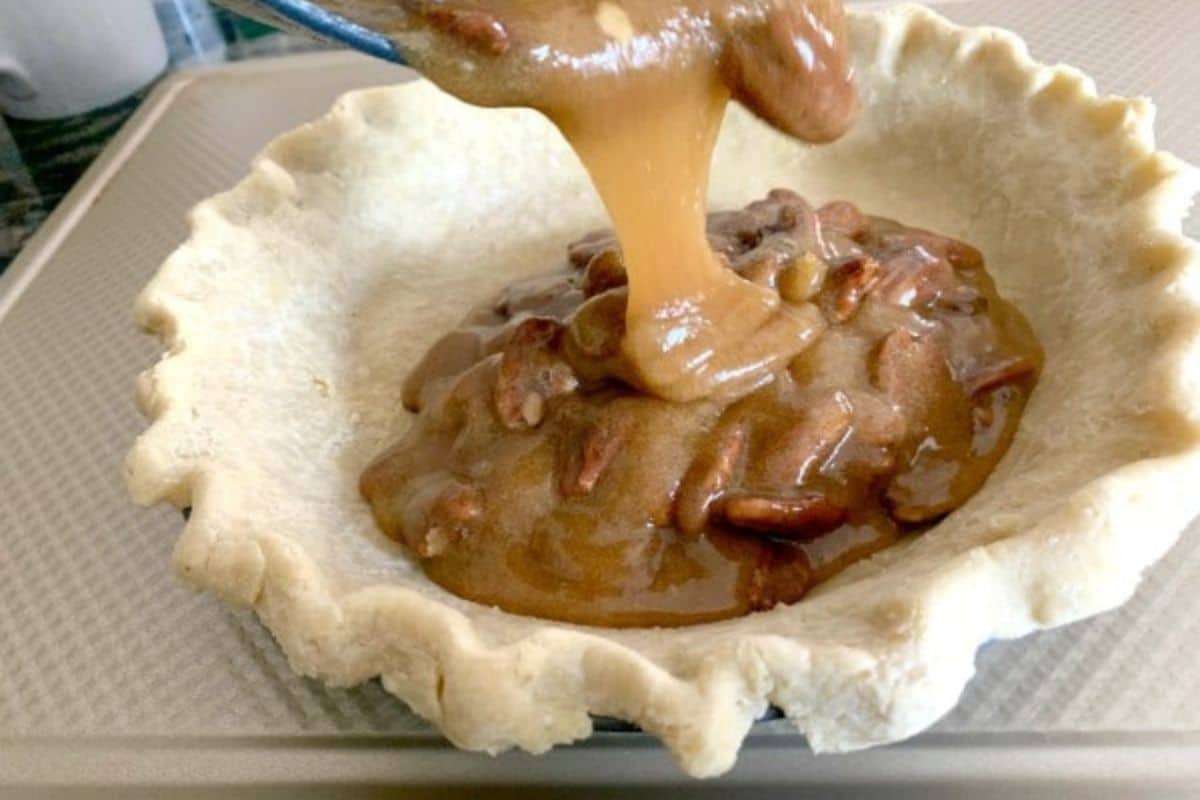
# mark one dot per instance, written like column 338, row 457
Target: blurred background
column 44, row 149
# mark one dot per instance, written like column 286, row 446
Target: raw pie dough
column 305, row 294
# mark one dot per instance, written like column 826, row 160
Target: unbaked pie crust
column 303, row 296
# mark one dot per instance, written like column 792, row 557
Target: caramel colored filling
column 539, row 479
column 693, row 424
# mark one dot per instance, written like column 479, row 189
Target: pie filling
column 539, row 478
column 708, row 415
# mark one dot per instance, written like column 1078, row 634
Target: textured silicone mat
column 99, row 643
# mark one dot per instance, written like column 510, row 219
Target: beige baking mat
column 98, row 642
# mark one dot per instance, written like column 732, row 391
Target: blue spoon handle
column 304, row 17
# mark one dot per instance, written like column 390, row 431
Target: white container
column 64, row 57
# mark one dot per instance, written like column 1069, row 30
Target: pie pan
column 304, row 294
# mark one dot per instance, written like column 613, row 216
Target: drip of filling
column 538, row 479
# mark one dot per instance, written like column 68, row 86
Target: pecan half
column 912, row 371
column 808, row 443
column 707, row 477
column 802, row 517
column 788, row 68
column 586, row 464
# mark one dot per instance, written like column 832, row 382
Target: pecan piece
column 731, row 233
column 531, row 365
column 808, row 443
column 734, row 234
column 784, row 211
column 912, row 371
column 993, row 376
column 535, row 296
column 889, row 235
column 843, row 217
column 581, row 251
column 447, row 519
column 707, row 477
column 605, row 270
column 801, row 280
column 474, row 27
column 877, row 422
column 912, row 497
column 802, row 517
column 962, row 255
column 585, row 465
column 913, row 278
column 592, row 343
column 849, row 281
column 783, row 574
column 763, row 264
column 770, row 66
column 963, row 300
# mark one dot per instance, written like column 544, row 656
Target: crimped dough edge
column 1088, row 242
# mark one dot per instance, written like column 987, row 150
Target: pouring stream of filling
column 639, row 90
column 701, row 417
